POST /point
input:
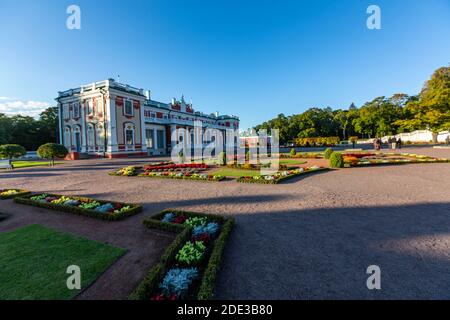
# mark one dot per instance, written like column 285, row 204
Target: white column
column 111, row 124
column 60, row 118
column 155, row 139
column 143, row 137
column 164, row 140
column 83, row 130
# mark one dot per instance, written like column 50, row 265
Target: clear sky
column 251, row 58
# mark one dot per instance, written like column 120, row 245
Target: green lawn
column 26, row 164
column 34, row 260
column 286, row 161
column 235, row 173
column 232, row 172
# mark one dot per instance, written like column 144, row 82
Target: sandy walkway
column 312, row 237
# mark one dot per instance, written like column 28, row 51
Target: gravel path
column 310, row 238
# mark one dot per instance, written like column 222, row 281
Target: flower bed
column 280, row 176
column 358, row 155
column 174, row 167
column 12, row 193
column 252, row 166
column 188, row 268
column 171, row 171
column 365, row 159
column 100, row 209
column 186, row 175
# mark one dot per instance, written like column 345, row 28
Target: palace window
column 89, row 107
column 128, row 109
column 91, row 136
column 129, row 137
column 67, row 140
column 99, row 107
column 160, row 137
column 76, row 110
column 100, row 135
column 149, row 138
column 66, row 113
column 129, row 134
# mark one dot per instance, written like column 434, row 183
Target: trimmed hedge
column 206, row 290
column 20, row 193
column 336, row 160
column 149, row 285
column 279, row 180
column 327, row 153
column 80, row 211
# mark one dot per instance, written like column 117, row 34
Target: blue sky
column 251, row 58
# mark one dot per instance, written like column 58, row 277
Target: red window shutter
column 159, row 115
column 119, row 101
column 136, row 104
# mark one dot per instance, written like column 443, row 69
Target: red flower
column 180, row 219
column 158, row 297
column 358, row 155
column 204, row 237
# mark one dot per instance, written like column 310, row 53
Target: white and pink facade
column 110, row 119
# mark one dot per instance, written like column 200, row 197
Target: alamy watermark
column 374, row 280
column 199, row 144
column 374, row 20
column 74, row 280
column 73, row 21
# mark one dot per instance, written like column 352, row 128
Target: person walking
column 394, row 143
column 447, row 140
column 399, row 143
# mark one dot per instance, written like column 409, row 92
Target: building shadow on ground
column 324, row 253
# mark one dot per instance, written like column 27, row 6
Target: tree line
column 430, row 109
column 28, row 131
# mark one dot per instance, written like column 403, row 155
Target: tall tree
column 432, row 109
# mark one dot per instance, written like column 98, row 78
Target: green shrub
column 196, row 221
column 293, row 152
column 327, row 153
column 336, row 160
column 52, row 151
column 10, row 151
column 191, row 253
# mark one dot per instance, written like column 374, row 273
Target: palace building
column 110, row 119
